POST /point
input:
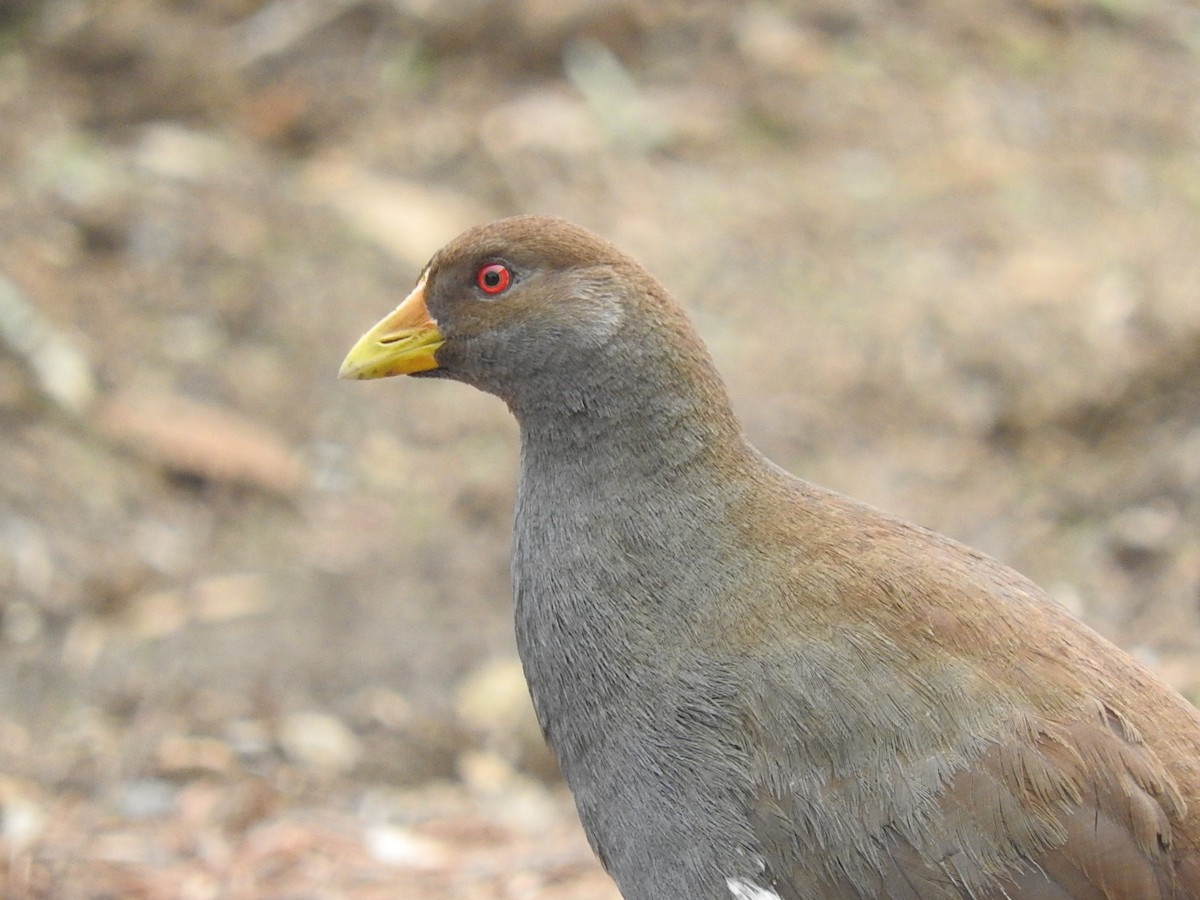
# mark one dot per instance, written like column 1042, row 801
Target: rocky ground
column 254, row 622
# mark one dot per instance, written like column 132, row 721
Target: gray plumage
column 756, row 687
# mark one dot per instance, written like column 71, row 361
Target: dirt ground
column 255, row 631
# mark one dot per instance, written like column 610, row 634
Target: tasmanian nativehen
column 758, row 688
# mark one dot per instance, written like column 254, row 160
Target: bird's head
column 520, row 304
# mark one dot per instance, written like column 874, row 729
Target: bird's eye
column 494, row 278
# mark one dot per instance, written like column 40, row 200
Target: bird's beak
column 404, row 342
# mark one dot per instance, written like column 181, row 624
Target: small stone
column 221, row 598
column 1141, row 532
column 486, row 773
column 513, row 798
column 319, row 742
column 175, row 152
column 22, row 820
column 493, row 702
column 189, row 755
column 145, row 798
column 401, row 848
column 494, row 699
column 248, row 738
column 382, row 707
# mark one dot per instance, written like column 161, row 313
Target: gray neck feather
column 621, row 478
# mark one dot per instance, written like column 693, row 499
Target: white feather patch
column 741, row 889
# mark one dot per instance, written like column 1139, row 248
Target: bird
column 758, row 688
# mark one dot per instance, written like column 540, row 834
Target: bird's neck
column 620, row 541
column 614, row 493
column 614, row 445
column 639, row 421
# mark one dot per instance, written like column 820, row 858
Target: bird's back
column 947, row 729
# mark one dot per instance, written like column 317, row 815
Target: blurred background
column 255, row 630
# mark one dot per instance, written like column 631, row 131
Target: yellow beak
column 404, row 342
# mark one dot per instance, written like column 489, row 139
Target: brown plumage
column 758, row 688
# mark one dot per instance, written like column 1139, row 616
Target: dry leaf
column 202, row 440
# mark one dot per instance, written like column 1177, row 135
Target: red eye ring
column 494, row 278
